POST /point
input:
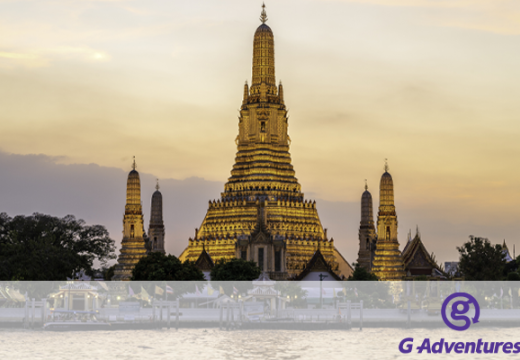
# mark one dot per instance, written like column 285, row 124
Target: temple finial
column 366, row 185
column 133, row 165
column 157, row 186
column 386, row 165
column 263, row 16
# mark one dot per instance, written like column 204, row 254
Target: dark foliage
column 361, row 274
column 44, row 247
column 157, row 266
column 234, row 273
column 479, row 260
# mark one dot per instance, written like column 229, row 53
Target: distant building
column 506, row 252
column 451, row 268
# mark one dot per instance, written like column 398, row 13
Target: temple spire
column 263, row 61
column 367, row 231
column 387, row 264
column 132, row 245
column 263, row 16
column 156, row 227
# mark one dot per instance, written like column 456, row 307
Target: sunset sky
column 432, row 85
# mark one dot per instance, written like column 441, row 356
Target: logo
column 459, row 309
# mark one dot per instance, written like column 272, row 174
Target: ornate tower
column 262, row 214
column 156, row 228
column 133, row 244
column 367, row 231
column 387, row 264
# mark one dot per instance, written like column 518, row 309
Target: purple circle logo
column 459, row 309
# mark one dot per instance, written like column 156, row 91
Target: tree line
column 44, row 247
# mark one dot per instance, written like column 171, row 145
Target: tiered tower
column 387, row 264
column 367, row 231
column 133, row 244
column 262, row 214
column 156, row 228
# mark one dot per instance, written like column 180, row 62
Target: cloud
column 79, row 52
column 39, row 58
column 40, row 183
column 496, row 16
column 14, row 59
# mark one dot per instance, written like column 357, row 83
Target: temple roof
column 317, row 263
column 413, row 248
column 204, row 262
column 263, row 28
column 505, row 250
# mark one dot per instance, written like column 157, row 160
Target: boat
column 74, row 320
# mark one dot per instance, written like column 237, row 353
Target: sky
column 431, row 85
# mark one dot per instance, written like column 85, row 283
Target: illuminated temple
column 133, row 245
column 379, row 248
column 262, row 215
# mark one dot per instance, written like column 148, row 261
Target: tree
column 361, row 286
column 361, row 274
column 479, row 260
column 234, row 273
column 157, row 266
column 294, row 291
column 513, row 276
column 44, row 247
column 512, row 267
column 158, row 270
column 108, row 272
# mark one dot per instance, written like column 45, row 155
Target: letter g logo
column 404, row 347
column 458, row 309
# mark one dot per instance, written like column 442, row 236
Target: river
column 214, row 344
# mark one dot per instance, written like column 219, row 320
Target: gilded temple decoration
column 387, row 263
column 262, row 215
column 133, row 244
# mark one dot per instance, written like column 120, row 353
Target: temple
column 156, row 227
column 418, row 262
column 133, row 244
column 387, row 263
column 262, row 215
column 379, row 251
column 367, row 231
